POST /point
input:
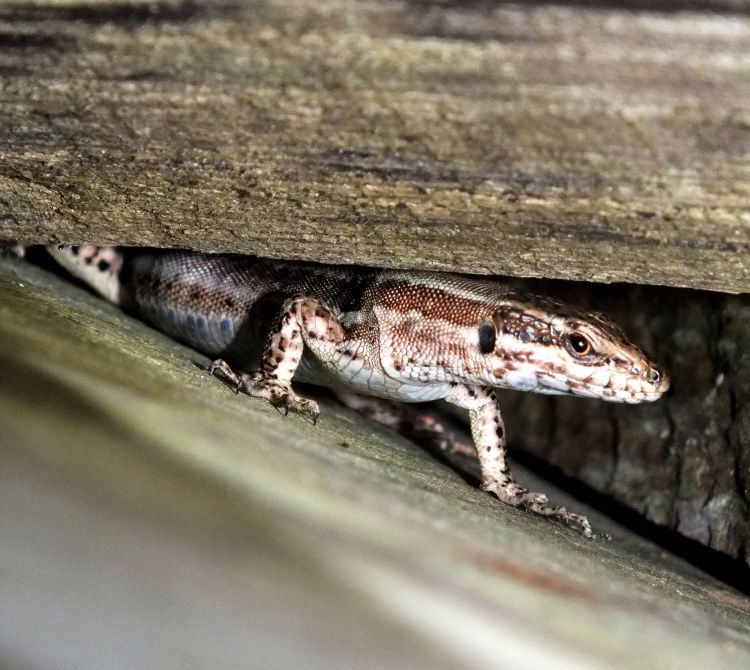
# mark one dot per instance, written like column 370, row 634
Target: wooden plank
column 578, row 142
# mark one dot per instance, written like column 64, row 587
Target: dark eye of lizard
column 579, row 344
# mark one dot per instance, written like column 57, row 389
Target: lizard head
column 548, row 347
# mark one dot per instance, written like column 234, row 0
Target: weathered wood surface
column 151, row 518
column 584, row 141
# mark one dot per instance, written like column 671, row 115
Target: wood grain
column 595, row 141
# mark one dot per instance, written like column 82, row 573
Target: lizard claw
column 283, row 398
column 561, row 515
column 577, row 521
column 280, row 395
column 305, row 407
column 536, row 503
column 222, row 367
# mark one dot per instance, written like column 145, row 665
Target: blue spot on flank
column 171, row 314
column 225, row 325
column 201, row 322
column 191, row 321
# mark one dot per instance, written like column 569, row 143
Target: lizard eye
column 578, row 344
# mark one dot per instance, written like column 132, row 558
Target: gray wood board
column 578, row 141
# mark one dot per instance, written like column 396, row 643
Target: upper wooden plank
column 578, row 141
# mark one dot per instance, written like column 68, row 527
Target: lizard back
column 224, row 304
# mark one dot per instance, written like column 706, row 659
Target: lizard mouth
column 627, row 395
column 623, row 388
column 632, row 389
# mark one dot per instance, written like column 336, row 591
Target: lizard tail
column 98, row 267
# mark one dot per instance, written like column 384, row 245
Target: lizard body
column 407, row 336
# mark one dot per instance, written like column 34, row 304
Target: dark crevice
column 727, row 363
column 675, row 457
column 127, row 14
column 615, row 449
column 16, row 41
column 554, row 425
column 737, row 465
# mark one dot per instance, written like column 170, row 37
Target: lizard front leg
column 302, row 319
column 488, row 432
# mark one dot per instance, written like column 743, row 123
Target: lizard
column 408, row 336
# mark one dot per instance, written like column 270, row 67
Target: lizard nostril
column 654, row 376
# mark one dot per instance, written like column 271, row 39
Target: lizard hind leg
column 302, row 319
column 424, row 424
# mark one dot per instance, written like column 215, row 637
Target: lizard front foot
column 537, row 503
column 279, row 394
column 561, row 515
